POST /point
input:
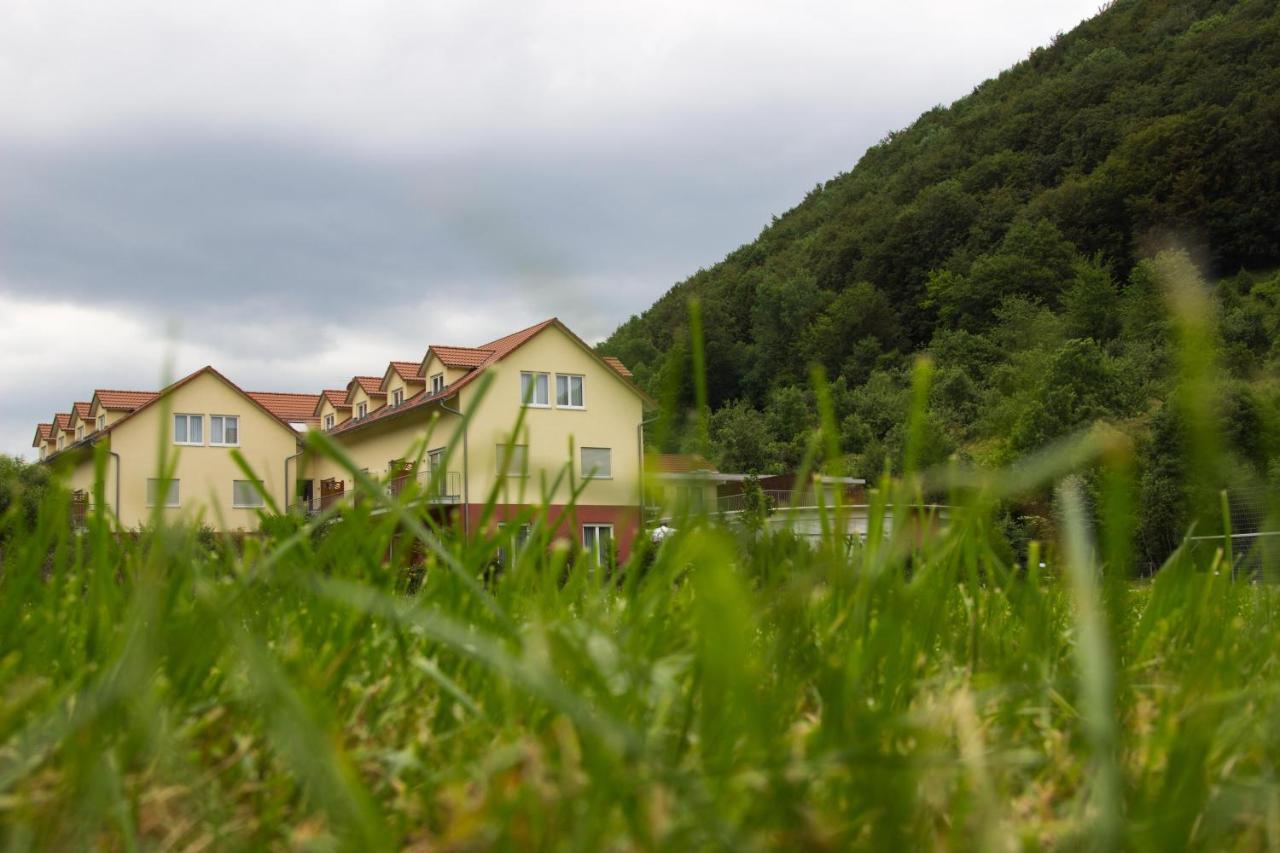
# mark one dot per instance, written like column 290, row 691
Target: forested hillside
column 1012, row 237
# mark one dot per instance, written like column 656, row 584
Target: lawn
column 170, row 690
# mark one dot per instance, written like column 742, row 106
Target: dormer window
column 328, row 421
column 80, row 432
column 397, row 396
column 437, row 383
column 102, row 422
column 362, row 409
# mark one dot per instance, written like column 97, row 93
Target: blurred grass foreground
column 730, row 687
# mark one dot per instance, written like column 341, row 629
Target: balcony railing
column 427, row 486
column 82, row 508
column 783, row 498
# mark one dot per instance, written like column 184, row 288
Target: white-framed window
column 435, row 459
column 224, row 430
column 437, row 383
column 362, row 409
column 512, row 539
column 397, row 396
column 102, row 422
column 153, row 493
column 62, row 439
column 534, row 388
column 513, row 460
column 568, row 391
column 597, row 540
column 79, row 432
column 597, row 463
column 328, row 421
column 188, row 429
column 246, row 494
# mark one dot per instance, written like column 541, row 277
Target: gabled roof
column 336, row 397
column 498, row 350
column 122, row 401
column 80, row 411
column 371, row 385
column 409, row 371
column 61, row 423
column 164, row 392
column 289, row 407
column 464, row 357
column 44, row 432
column 617, row 365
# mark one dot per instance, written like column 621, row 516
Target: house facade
column 549, row 423
column 580, row 433
column 190, row 428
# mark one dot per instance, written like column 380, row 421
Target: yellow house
column 580, row 410
column 194, row 424
column 582, row 433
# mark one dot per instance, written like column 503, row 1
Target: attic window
column 188, row 429
column 362, row 409
column 102, row 422
column 437, row 383
column 328, row 421
column 534, row 389
column 397, row 396
column 568, row 391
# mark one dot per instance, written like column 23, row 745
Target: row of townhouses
column 445, row 423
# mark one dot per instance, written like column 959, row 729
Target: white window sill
column 248, row 506
column 189, row 443
column 573, row 408
column 215, row 444
column 537, row 405
column 586, row 477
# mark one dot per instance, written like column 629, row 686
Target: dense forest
column 1016, row 237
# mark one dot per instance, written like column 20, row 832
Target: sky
column 297, row 192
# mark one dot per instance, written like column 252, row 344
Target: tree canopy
column 1012, row 236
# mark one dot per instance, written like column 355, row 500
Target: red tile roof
column 114, row 401
column 44, row 432
column 617, row 365
column 207, row 369
column 288, row 407
column 681, row 463
column 370, row 384
column 61, row 421
column 459, row 356
column 337, row 398
column 497, row 349
column 81, row 410
column 408, row 370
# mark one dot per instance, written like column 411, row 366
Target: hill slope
column 1005, row 234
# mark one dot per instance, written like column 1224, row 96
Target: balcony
column 427, row 486
column 81, row 509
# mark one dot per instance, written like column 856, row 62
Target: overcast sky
column 296, row 192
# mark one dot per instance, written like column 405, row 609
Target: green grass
column 171, row 691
